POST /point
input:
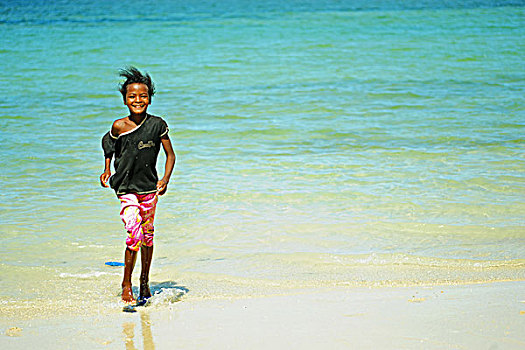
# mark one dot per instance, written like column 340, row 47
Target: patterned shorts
column 137, row 211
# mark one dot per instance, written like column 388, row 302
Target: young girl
column 134, row 141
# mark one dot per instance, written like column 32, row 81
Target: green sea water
column 319, row 143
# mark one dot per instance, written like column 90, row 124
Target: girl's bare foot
column 145, row 293
column 127, row 294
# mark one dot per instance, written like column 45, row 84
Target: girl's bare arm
column 162, row 185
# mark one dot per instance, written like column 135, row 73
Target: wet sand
column 478, row 316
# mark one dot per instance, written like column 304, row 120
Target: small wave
column 167, row 296
column 374, row 259
column 85, row 275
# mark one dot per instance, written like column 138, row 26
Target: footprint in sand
column 14, row 332
column 416, row 300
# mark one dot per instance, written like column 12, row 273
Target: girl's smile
column 137, row 98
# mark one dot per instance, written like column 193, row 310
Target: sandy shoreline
column 478, row 316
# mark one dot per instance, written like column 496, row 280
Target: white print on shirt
column 146, row 145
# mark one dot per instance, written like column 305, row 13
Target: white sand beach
column 476, row 316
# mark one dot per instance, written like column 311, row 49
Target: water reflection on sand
column 128, row 329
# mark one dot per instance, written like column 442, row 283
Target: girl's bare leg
column 146, row 254
column 130, row 257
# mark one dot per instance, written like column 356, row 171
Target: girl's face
column 137, row 98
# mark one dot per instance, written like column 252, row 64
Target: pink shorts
column 137, row 211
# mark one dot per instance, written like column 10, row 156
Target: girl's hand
column 104, row 178
column 162, row 187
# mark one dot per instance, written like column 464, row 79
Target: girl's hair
column 133, row 75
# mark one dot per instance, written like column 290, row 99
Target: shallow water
column 318, row 144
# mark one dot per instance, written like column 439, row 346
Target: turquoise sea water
column 319, row 143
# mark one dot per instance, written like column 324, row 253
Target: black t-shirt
column 136, row 154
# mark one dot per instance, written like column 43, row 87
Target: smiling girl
column 134, row 143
